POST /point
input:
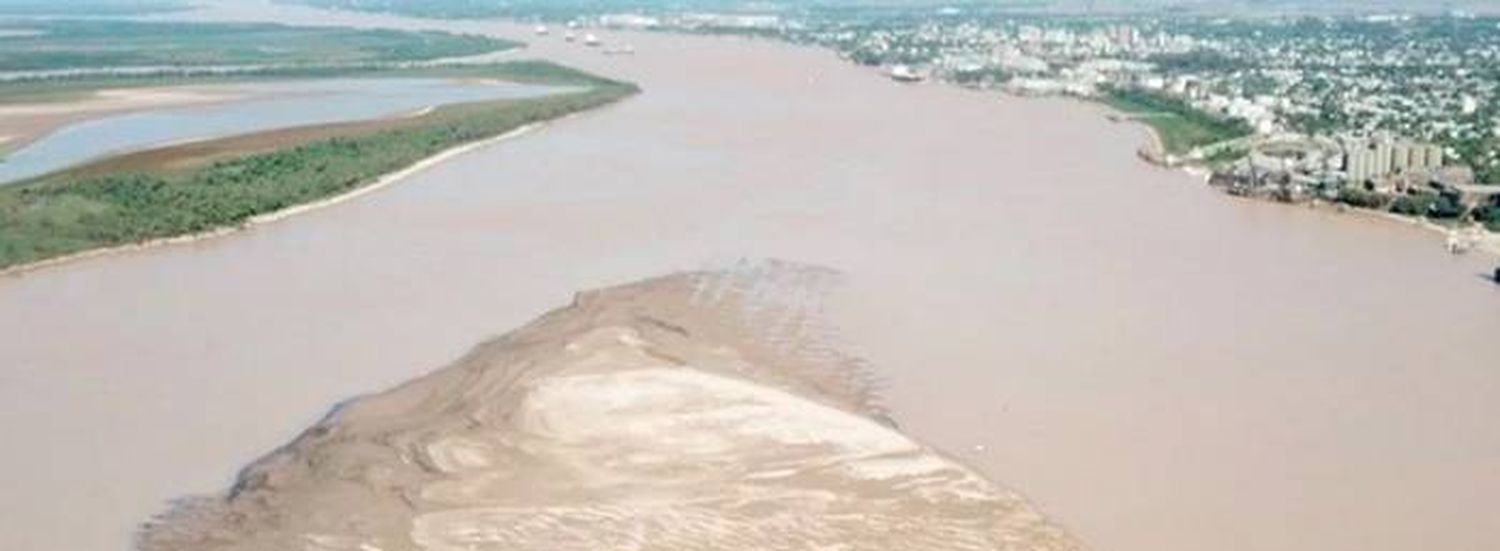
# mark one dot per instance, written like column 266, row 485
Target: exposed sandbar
column 673, row 414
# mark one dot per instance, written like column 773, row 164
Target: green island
column 1179, row 126
column 66, row 44
column 224, row 183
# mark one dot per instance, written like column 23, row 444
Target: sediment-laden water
column 1156, row 366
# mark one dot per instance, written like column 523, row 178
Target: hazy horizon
column 1099, row 7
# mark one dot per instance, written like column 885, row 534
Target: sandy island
column 653, row 416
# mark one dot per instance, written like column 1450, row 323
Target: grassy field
column 222, row 183
column 1180, row 126
column 68, row 44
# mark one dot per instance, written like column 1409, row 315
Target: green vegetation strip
column 85, row 209
column 1180, row 126
column 1427, row 205
column 40, row 45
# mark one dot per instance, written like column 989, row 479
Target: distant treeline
column 85, row 209
column 41, row 45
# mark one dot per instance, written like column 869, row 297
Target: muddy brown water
column 1157, row 366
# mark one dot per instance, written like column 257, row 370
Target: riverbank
column 1155, row 154
column 1487, row 242
column 206, row 187
column 1462, row 239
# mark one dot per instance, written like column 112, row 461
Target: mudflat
column 1154, row 365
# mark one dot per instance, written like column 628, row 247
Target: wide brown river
column 1159, row 367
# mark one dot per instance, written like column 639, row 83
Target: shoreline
column 1489, row 244
column 1158, row 147
column 380, row 183
column 1154, row 152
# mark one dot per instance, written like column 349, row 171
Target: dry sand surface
column 26, row 122
column 697, row 411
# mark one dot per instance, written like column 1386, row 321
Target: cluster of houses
column 1295, row 168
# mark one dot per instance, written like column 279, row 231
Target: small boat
column 590, row 40
column 541, row 30
column 568, row 37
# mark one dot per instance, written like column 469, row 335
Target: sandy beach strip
column 380, row 183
